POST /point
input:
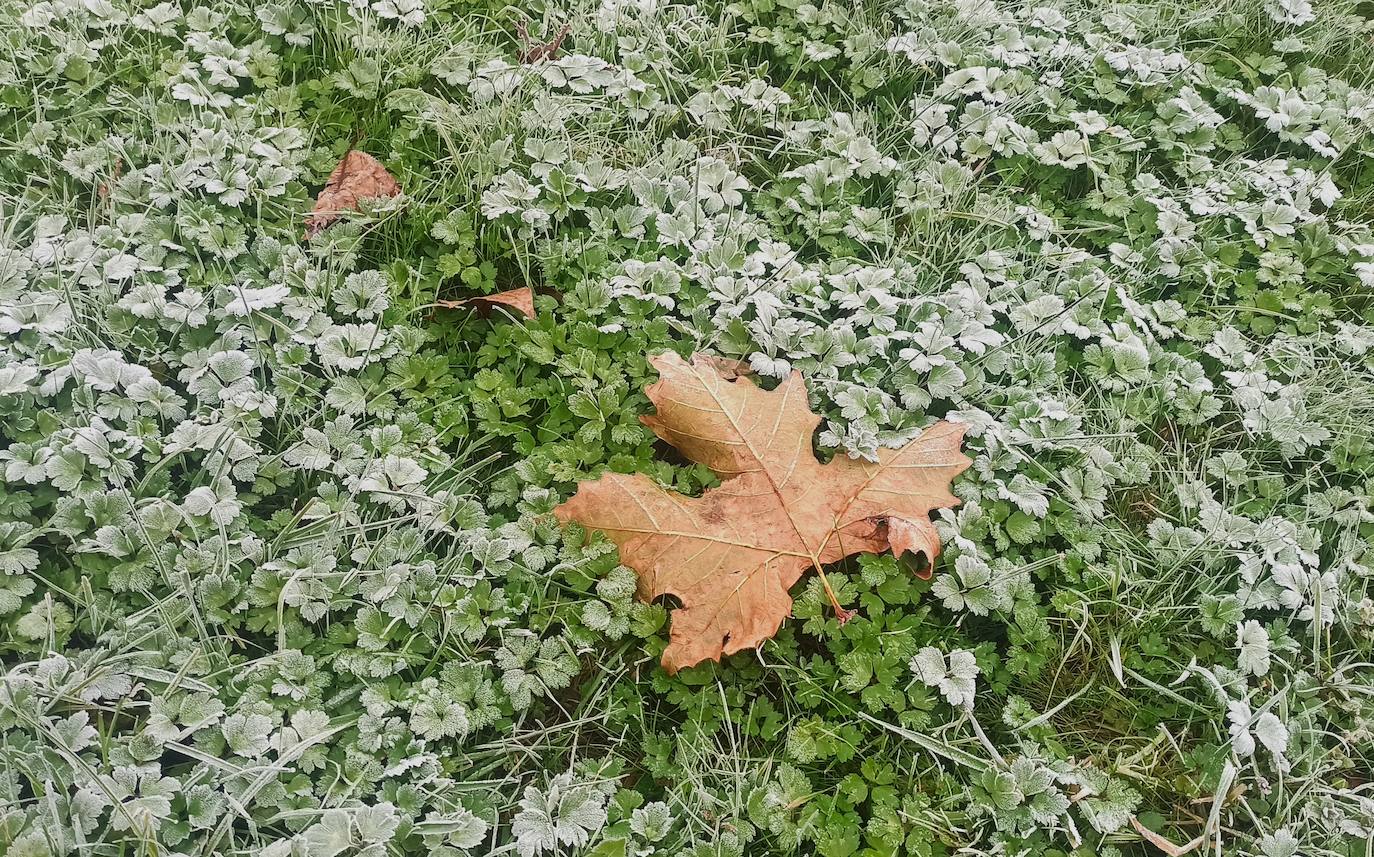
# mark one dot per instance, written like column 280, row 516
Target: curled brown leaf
column 520, row 300
column 358, row 176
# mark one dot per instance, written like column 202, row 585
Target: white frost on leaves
column 955, row 677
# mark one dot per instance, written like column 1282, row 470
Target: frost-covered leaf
column 955, row 680
column 1253, row 642
column 569, row 812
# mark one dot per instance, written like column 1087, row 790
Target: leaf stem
column 842, row 613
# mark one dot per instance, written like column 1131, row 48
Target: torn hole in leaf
column 669, row 453
column 916, row 563
column 668, row 600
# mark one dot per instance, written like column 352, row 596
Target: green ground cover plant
column 279, row 570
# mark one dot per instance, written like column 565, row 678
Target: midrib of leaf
column 814, row 557
column 763, row 465
column 700, row 535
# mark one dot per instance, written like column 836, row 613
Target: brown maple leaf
column 520, row 300
column 730, row 555
column 358, row 176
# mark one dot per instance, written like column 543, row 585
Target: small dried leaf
column 520, row 300
column 358, row 176
column 731, row 555
column 103, row 189
column 533, row 52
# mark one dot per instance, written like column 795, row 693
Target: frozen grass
column 275, row 581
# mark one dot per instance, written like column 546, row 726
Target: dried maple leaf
column 731, row 555
column 521, row 300
column 358, row 176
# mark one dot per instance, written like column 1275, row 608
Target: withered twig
column 1163, row 844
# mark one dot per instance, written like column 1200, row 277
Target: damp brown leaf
column 358, row 176
column 731, row 555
